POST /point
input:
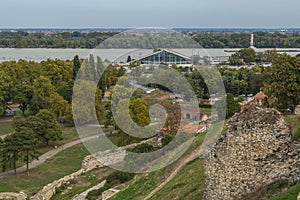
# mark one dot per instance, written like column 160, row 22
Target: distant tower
column 252, row 41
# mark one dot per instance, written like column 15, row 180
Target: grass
column 82, row 183
column 294, row 122
column 290, row 194
column 188, row 184
column 145, row 183
column 62, row 164
column 5, row 127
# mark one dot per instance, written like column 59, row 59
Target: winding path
column 195, row 154
column 50, row 154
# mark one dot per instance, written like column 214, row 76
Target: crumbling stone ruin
column 256, row 150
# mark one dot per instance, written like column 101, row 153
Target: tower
column 252, row 41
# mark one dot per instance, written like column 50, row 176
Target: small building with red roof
column 260, row 98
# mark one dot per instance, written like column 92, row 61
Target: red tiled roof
column 192, row 129
column 260, row 95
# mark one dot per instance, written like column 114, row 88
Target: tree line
column 77, row 39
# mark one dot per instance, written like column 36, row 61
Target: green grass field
column 62, row 164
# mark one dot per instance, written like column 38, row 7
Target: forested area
column 44, row 92
column 89, row 40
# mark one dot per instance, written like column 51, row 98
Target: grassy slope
column 188, row 184
column 145, row 183
column 290, row 194
column 57, row 167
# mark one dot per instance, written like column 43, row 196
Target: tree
column 42, row 90
column 10, row 152
column 235, row 60
column 76, row 66
column 87, row 100
column 100, row 68
column 232, row 106
column 28, row 145
column 282, row 82
column 58, row 105
column 66, row 90
column 270, row 55
column 139, row 112
column 24, row 94
column 43, row 124
column 48, row 129
column 5, row 86
column 248, row 55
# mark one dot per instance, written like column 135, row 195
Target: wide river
column 120, row 55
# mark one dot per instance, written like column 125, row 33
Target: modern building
column 166, row 56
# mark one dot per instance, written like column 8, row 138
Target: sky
column 149, row 13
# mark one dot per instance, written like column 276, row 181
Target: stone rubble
column 256, row 150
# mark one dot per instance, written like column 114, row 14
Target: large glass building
column 166, row 56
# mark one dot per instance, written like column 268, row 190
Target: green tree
column 76, row 66
column 42, row 90
column 139, row 112
column 48, row 129
column 5, row 85
column 43, row 124
column 248, row 55
column 28, row 146
column 232, row 106
column 282, row 82
column 24, row 94
column 11, row 152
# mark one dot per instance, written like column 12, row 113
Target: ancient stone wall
column 256, row 150
column 14, row 196
column 90, row 162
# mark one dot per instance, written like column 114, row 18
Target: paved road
column 50, row 154
column 83, row 195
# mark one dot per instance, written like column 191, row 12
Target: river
column 120, row 55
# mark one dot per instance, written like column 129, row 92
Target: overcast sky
column 149, row 13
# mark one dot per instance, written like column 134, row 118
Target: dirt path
column 195, row 154
column 49, row 155
column 3, row 136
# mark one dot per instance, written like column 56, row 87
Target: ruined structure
column 256, row 150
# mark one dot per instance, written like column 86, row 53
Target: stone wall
column 12, row 196
column 256, row 150
column 91, row 162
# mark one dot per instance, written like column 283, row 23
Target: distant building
column 260, row 98
column 297, row 110
column 166, row 56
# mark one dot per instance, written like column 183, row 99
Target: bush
column 119, row 177
column 95, row 194
column 116, row 177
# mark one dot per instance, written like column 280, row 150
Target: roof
column 260, row 95
column 192, row 128
column 166, row 50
